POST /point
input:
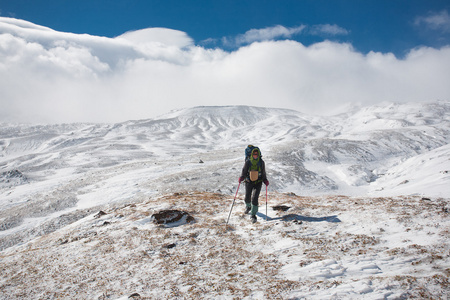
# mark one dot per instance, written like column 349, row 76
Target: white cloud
column 60, row 77
column 151, row 36
column 278, row 32
column 327, row 30
column 265, row 34
column 16, row 23
column 436, row 21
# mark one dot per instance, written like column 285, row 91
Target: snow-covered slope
column 332, row 247
column 53, row 175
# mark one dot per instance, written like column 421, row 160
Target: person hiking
column 253, row 174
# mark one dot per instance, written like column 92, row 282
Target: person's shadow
column 299, row 218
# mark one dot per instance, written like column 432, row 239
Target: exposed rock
column 170, row 246
column 281, row 207
column 172, row 216
column 13, row 174
column 99, row 214
column 12, row 178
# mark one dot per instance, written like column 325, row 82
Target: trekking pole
column 266, row 204
column 233, row 203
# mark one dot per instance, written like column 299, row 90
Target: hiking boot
column 253, row 218
column 247, row 210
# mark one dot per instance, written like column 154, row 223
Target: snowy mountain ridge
column 371, row 139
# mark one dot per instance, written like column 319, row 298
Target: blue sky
column 382, row 26
column 111, row 61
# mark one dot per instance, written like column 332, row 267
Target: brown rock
column 171, row 216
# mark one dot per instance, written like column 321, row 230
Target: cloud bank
column 50, row 76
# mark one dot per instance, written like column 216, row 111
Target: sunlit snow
column 367, row 193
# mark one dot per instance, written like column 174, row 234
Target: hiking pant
column 252, row 201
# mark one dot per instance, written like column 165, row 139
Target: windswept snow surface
column 371, row 219
column 333, row 247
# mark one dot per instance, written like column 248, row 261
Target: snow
column 426, row 172
column 367, row 191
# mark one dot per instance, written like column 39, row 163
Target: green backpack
column 255, row 166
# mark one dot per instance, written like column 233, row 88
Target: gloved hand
column 240, row 179
column 266, row 182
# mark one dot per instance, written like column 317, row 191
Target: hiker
column 253, row 174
